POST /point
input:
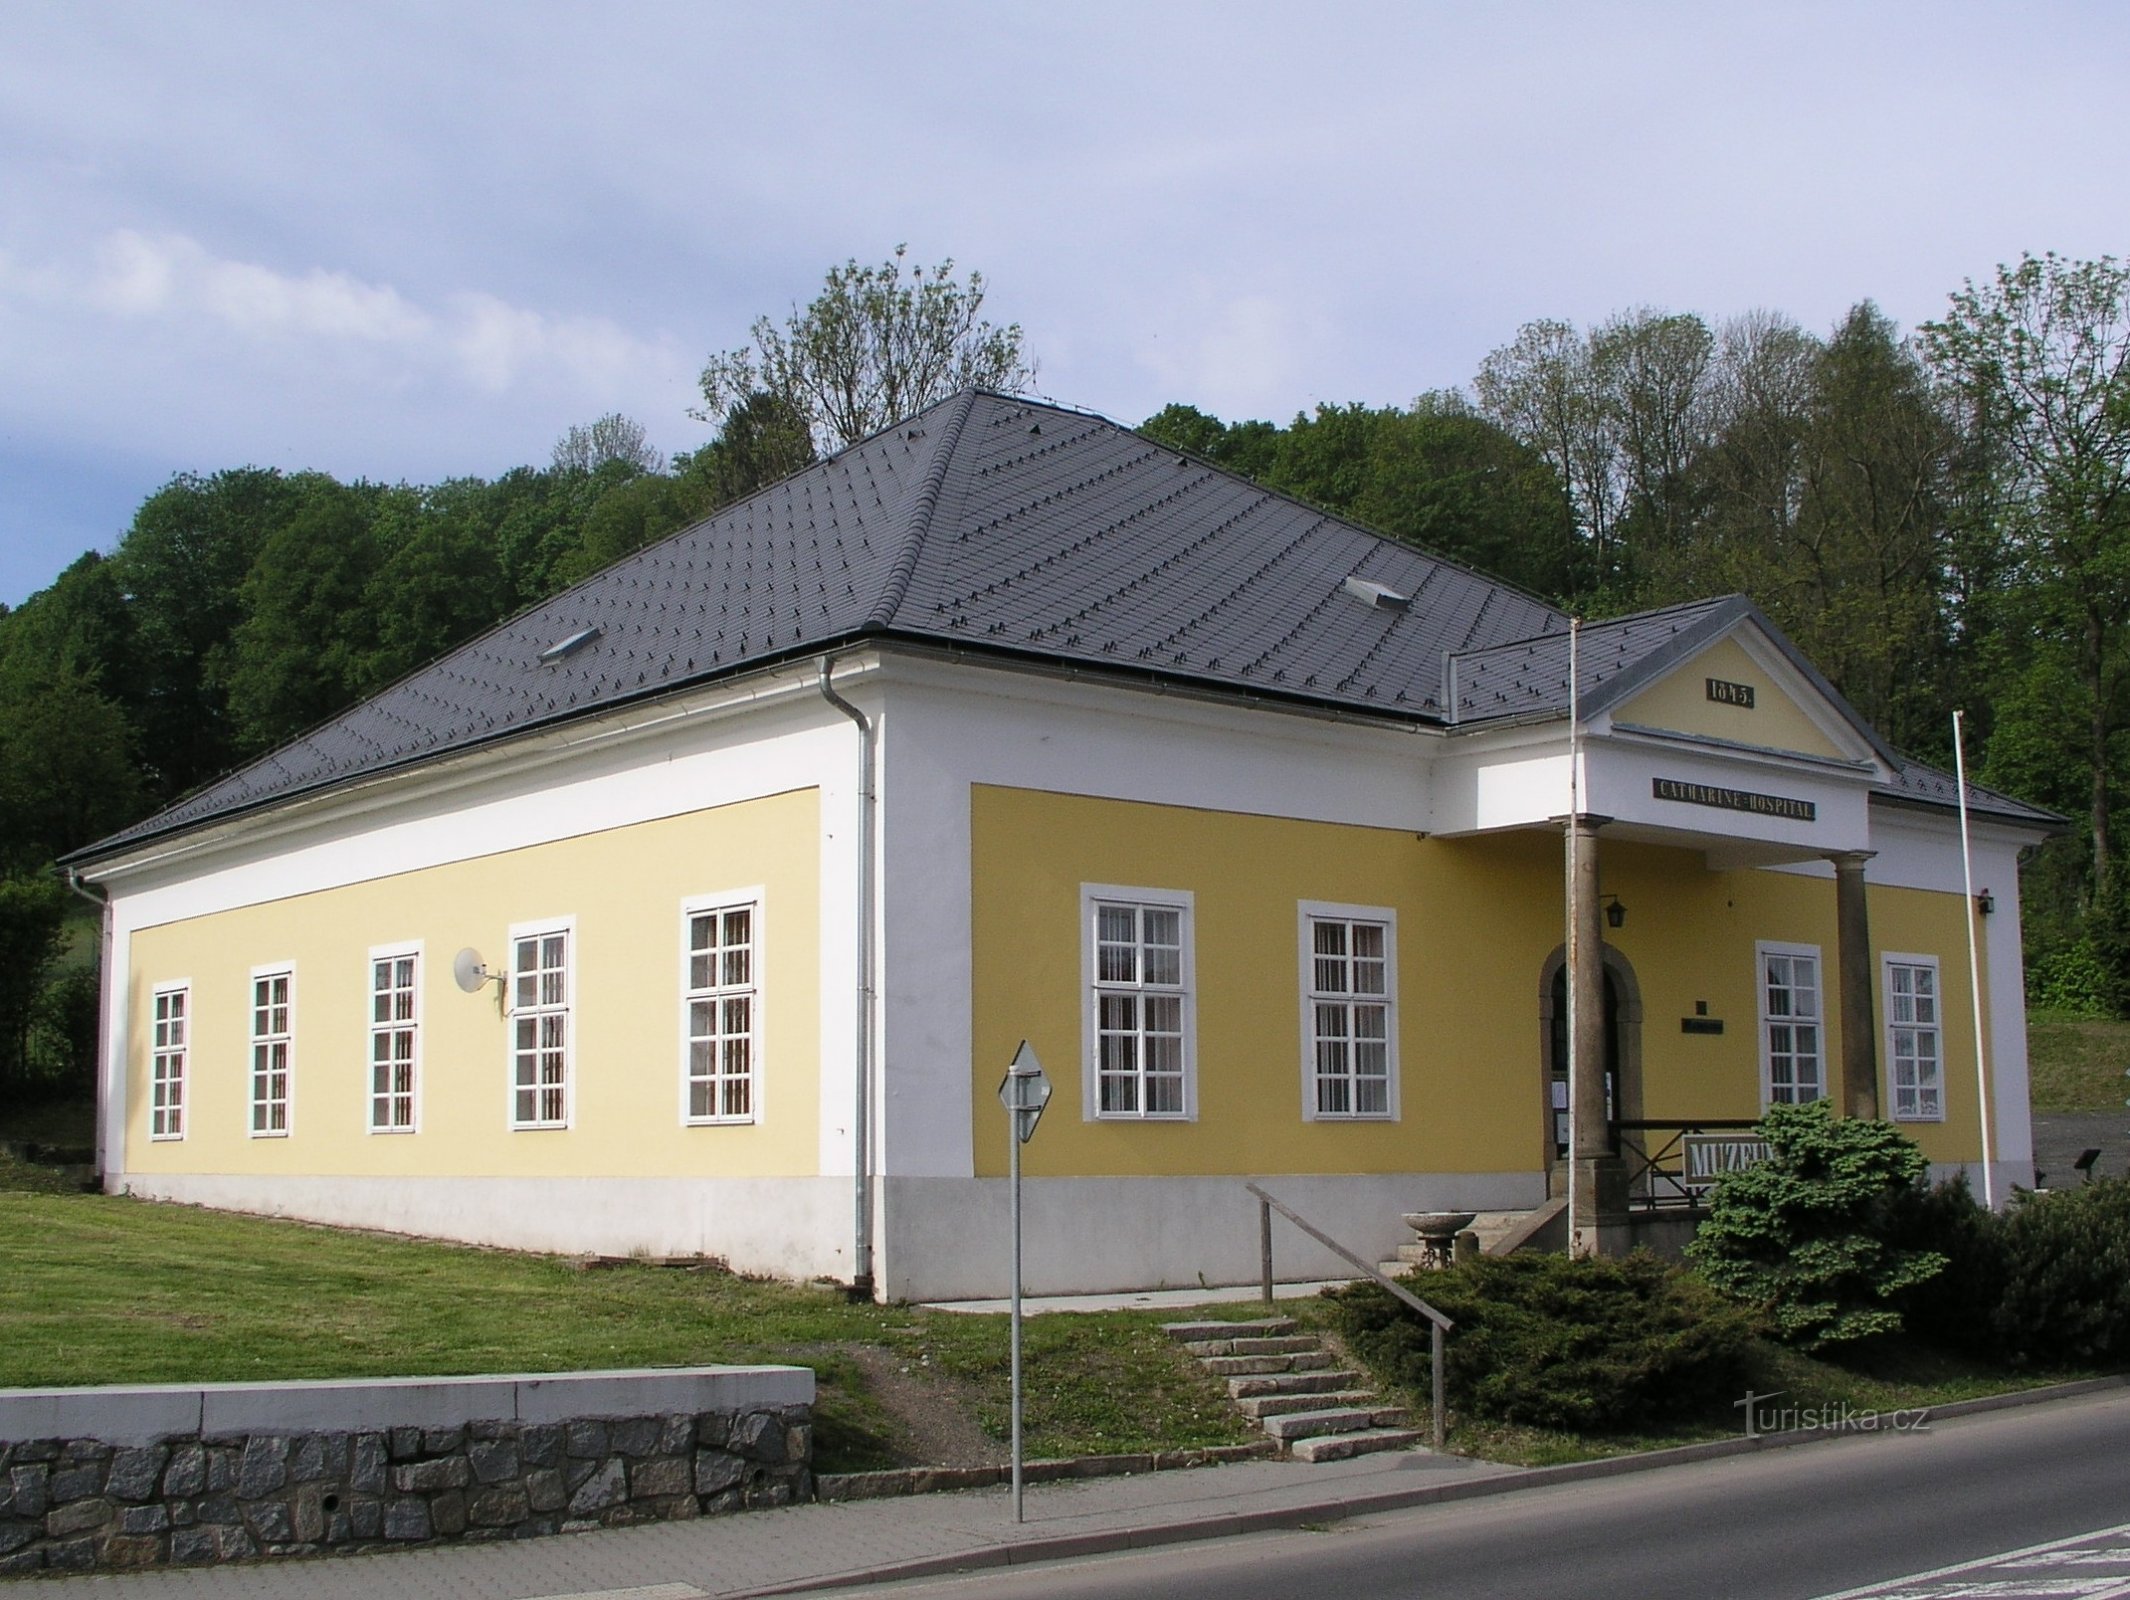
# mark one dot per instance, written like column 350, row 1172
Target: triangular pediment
column 1748, row 687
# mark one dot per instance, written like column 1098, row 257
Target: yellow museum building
column 699, row 909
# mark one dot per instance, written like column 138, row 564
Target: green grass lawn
column 95, row 1289
column 2077, row 1062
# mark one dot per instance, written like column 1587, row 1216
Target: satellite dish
column 468, row 972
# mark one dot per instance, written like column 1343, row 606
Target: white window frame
column 1308, row 913
column 286, row 1039
column 546, row 927
column 1093, row 896
column 1889, row 961
column 411, row 1024
column 1770, row 1020
column 751, row 901
column 166, row 1122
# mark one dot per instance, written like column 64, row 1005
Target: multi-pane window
column 540, row 1025
column 395, row 1039
column 1915, row 1054
column 723, row 1011
column 1348, row 1000
column 166, row 1076
column 1140, row 965
column 1790, row 1024
column 271, row 1036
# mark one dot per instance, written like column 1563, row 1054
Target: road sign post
column 1023, row 1092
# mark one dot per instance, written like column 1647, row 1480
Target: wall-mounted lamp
column 1985, row 902
column 1615, row 913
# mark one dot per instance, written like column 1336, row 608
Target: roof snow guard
column 999, row 526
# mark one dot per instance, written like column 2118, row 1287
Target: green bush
column 1590, row 1345
column 2072, row 979
column 2066, row 1294
column 1806, row 1235
column 1954, row 1309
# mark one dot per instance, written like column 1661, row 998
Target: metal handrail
column 1438, row 1323
column 1653, row 1162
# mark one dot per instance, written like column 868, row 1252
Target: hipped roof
column 1008, row 527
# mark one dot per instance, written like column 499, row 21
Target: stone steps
column 1345, row 1446
column 1286, row 1383
column 1340, row 1419
column 1287, row 1345
column 1257, row 1366
column 1257, row 1407
column 1323, row 1381
column 1196, row 1332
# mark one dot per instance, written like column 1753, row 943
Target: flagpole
column 1575, row 923
column 1974, row 965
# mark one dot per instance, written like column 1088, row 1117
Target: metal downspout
column 102, row 902
column 861, row 1116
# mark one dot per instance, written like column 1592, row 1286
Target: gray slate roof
column 999, row 525
column 1917, row 784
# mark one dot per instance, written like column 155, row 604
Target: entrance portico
column 1723, row 745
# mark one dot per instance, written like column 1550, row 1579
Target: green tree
column 67, row 769
column 762, row 440
column 876, row 345
column 612, row 437
column 182, row 566
column 304, row 648
column 2039, row 359
column 1249, row 448
column 1438, row 475
column 443, row 581
column 32, row 916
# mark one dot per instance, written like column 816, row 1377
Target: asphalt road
column 1825, row 1519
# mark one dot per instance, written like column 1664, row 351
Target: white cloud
column 496, row 341
column 134, row 275
column 473, row 339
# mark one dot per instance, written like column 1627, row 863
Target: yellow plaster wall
column 1680, row 701
column 1690, row 935
column 1477, row 920
column 625, row 888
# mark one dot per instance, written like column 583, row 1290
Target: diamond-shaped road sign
column 1024, row 1091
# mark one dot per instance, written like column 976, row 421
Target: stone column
column 1859, row 1033
column 1597, row 1224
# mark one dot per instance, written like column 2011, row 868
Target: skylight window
column 1381, row 595
column 563, row 649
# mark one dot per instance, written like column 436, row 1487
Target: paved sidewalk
column 814, row 1544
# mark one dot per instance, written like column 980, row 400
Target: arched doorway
column 1623, row 1049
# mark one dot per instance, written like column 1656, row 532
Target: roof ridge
column 925, row 502
column 1561, row 637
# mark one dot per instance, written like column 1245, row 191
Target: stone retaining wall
column 100, row 1478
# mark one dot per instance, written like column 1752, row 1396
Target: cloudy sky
column 410, row 241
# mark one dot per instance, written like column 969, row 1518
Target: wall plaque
column 1726, row 693
column 1709, row 794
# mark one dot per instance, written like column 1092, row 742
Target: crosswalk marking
column 1998, row 1577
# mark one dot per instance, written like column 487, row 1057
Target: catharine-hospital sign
column 1709, row 794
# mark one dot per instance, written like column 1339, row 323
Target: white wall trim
column 1888, row 960
column 417, row 948
column 1305, row 913
column 1762, row 949
column 572, row 1061
column 1184, row 901
column 756, row 898
column 268, row 969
